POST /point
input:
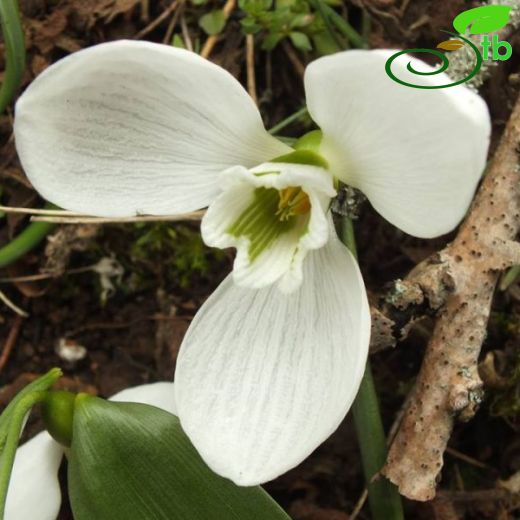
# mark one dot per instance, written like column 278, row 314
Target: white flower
column 264, row 374
column 34, row 490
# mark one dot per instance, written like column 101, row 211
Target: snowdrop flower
column 34, row 490
column 274, row 358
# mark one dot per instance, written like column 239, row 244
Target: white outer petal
column 263, row 378
column 135, row 127
column 34, row 491
column 159, row 394
column 417, row 154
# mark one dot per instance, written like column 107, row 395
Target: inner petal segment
column 271, row 214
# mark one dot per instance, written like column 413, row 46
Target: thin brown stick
column 46, row 212
column 12, row 306
column 466, row 458
column 10, row 341
column 293, row 58
column 481, row 495
column 359, row 505
column 194, row 215
column 448, row 386
column 167, row 40
column 250, row 64
column 186, row 33
column 46, row 276
column 155, row 23
column 212, row 40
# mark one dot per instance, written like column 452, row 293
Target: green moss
column 177, row 250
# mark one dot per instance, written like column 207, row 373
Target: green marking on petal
column 271, row 214
column 272, row 172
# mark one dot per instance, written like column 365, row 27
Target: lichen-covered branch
column 448, row 387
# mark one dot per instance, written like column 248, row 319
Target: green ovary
column 271, row 214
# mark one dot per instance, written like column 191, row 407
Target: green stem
column 288, row 120
column 509, row 277
column 320, row 6
column 12, row 422
column 385, row 502
column 14, row 50
column 344, row 27
column 27, row 240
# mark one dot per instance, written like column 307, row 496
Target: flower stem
column 319, row 5
column 12, row 422
column 11, row 443
column 28, row 239
column 14, row 50
column 385, row 502
column 343, row 26
column 288, row 120
column 509, row 277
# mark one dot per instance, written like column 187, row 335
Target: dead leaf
column 512, row 484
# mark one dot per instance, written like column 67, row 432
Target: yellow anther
column 293, row 201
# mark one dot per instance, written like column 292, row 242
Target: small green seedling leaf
column 178, row 42
column 133, row 462
column 301, row 20
column 484, row 19
column 249, row 25
column 213, row 22
column 300, row 41
column 271, row 41
column 325, row 44
column 451, row 45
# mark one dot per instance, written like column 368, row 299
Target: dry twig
column 250, row 61
column 448, row 386
column 11, row 340
column 194, row 215
column 155, row 23
column 299, row 67
column 12, row 306
column 212, row 40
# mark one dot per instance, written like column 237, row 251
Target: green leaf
column 300, row 41
column 301, row 20
column 249, row 26
column 271, row 41
column 133, row 462
column 484, row 19
column 178, row 42
column 14, row 50
column 213, row 22
column 325, row 44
